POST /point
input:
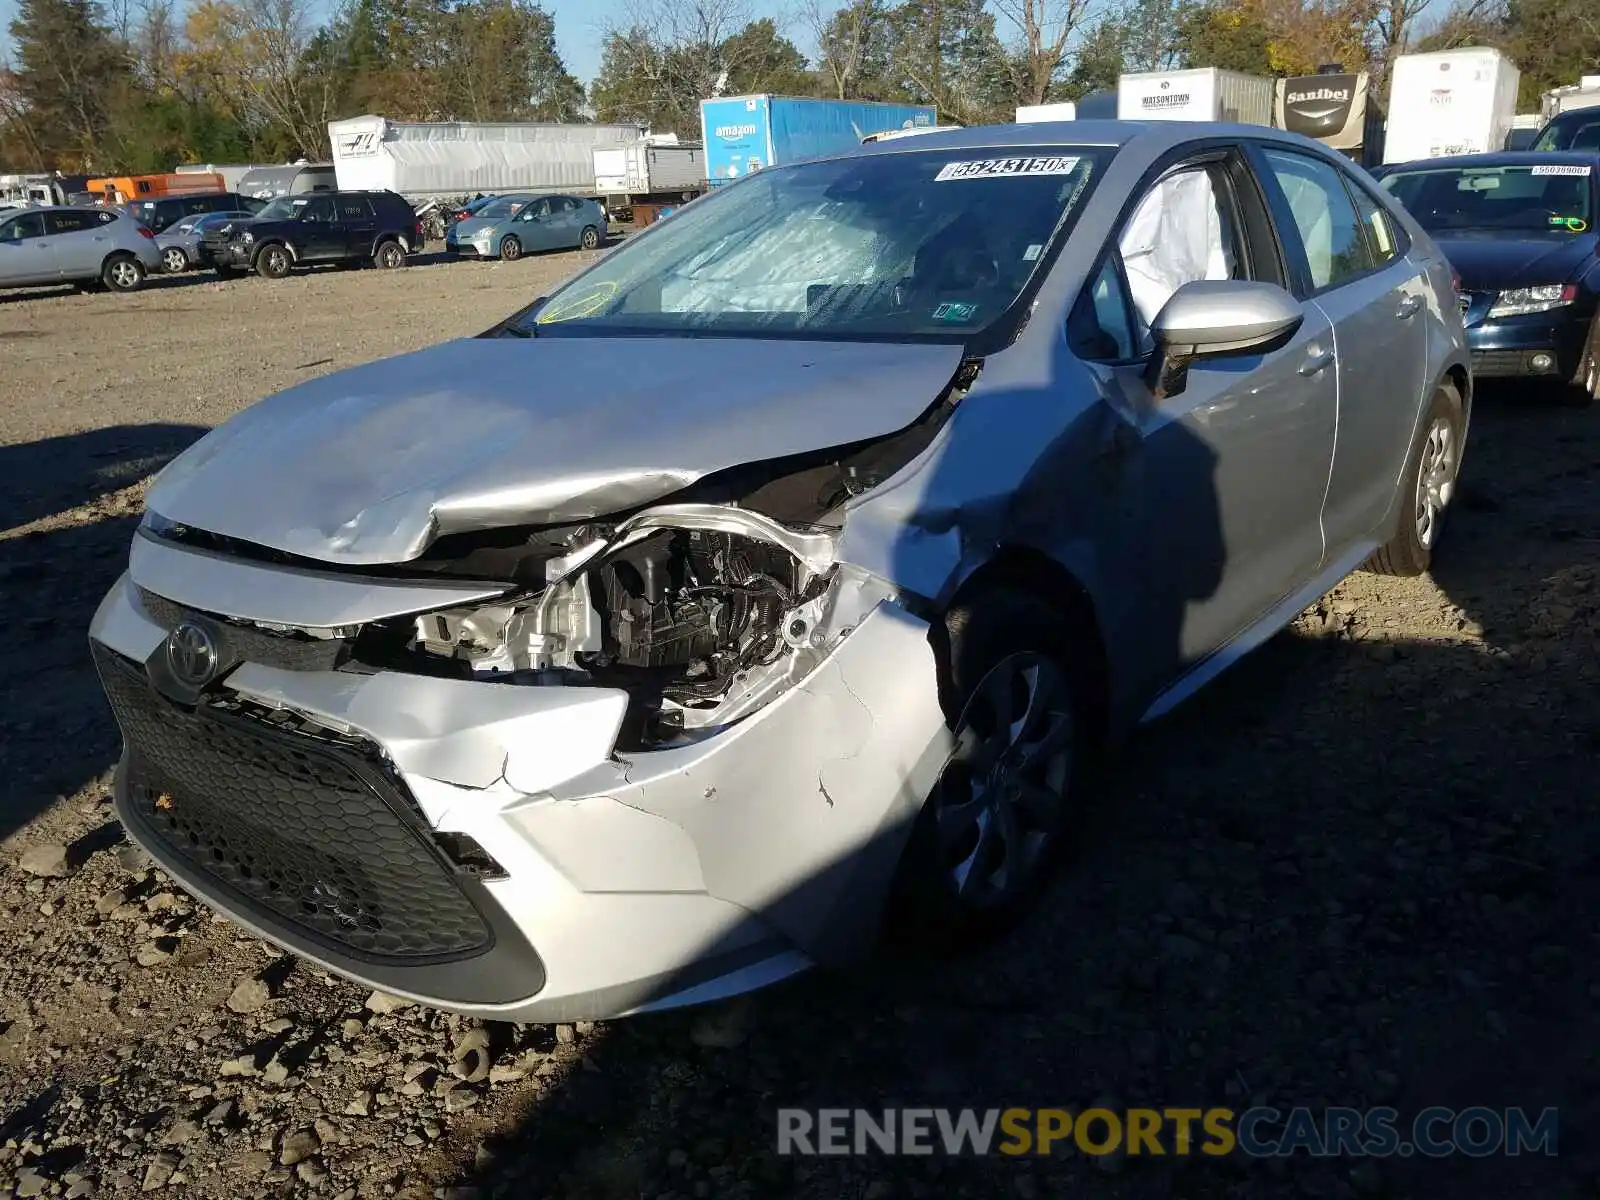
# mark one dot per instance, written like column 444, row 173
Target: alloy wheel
column 1001, row 798
column 125, row 274
column 174, row 260
column 1436, row 479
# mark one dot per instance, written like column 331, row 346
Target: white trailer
column 1583, row 94
column 459, row 158
column 643, row 168
column 232, row 173
column 1201, row 94
column 1450, row 102
column 1066, row 110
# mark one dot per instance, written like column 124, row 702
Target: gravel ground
column 1361, row 869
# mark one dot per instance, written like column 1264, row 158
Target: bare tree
column 843, row 37
column 1046, row 27
column 668, row 55
column 273, row 71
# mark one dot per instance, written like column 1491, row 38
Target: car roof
column 1151, row 138
column 1500, row 158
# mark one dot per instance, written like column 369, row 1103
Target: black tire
column 1584, row 388
column 510, row 248
column 389, row 255
column 950, row 888
column 590, row 238
column 273, row 261
column 175, row 260
column 122, row 273
column 1411, row 550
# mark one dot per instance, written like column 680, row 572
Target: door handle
column 1409, row 307
column 1316, row 360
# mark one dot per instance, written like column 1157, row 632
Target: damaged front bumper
column 484, row 846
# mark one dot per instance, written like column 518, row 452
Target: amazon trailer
column 1066, row 110
column 743, row 134
column 1202, row 94
column 655, row 170
column 1338, row 109
column 462, row 158
column 1450, row 102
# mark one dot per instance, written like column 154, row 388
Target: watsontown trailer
column 1201, row 94
column 745, row 133
column 458, row 158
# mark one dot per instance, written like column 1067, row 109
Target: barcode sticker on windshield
column 1561, row 169
column 991, row 168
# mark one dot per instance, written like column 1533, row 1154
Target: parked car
column 783, row 569
column 161, row 214
column 512, row 226
column 1575, row 129
column 376, row 227
column 1519, row 228
column 180, row 244
column 41, row 246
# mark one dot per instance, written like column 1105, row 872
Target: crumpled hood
column 371, row 464
column 1489, row 262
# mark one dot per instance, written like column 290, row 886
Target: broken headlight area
column 702, row 616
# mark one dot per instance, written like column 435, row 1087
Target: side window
column 1330, row 232
column 28, row 225
column 1183, row 230
column 1101, row 327
column 1382, row 240
column 144, row 186
column 354, row 208
column 69, row 222
column 320, row 209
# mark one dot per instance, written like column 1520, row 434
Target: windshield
column 498, row 210
column 1571, row 131
column 1536, row 197
column 934, row 243
column 285, row 209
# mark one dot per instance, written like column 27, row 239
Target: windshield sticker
column 1579, row 169
column 1032, row 252
column 954, row 311
column 1575, row 224
column 992, row 168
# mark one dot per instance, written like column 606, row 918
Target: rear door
column 1348, row 261
column 25, row 254
column 360, row 222
column 80, row 241
column 1228, row 471
column 567, row 222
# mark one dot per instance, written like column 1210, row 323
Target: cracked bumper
column 636, row 881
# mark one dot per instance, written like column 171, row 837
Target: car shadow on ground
column 66, row 518
column 1359, row 870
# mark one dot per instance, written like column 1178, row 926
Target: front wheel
column 174, row 260
column 122, row 273
column 1428, row 488
column 590, row 239
column 1020, row 703
column 1585, row 386
column 389, row 255
column 510, row 248
column 274, row 262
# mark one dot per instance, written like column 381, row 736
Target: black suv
column 322, row 227
column 157, row 215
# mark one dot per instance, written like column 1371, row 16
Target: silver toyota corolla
column 776, row 575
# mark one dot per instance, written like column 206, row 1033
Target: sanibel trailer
column 1338, row 109
column 745, row 133
column 457, row 158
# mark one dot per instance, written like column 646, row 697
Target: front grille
column 242, row 643
column 308, row 826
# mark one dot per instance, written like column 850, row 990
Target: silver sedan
column 180, row 243
column 777, row 575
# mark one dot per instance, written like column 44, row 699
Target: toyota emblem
column 191, row 654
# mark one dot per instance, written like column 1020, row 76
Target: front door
column 321, row 237
column 25, row 255
column 1376, row 299
column 533, row 226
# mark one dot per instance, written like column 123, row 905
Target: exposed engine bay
column 702, row 613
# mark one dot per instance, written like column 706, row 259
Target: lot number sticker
column 1561, row 169
column 991, row 168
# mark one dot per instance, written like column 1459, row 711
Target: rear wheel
column 591, row 237
column 122, row 273
column 510, row 248
column 1428, row 488
column 273, row 261
column 174, row 260
column 1020, row 704
column 389, row 255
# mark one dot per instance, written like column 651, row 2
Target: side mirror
column 1215, row 317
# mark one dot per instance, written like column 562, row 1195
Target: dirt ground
column 1361, row 869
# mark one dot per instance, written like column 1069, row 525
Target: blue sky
column 578, row 27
